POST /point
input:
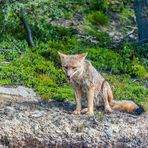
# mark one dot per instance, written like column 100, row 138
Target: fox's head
column 72, row 64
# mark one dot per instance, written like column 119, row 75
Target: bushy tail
column 139, row 110
column 127, row 106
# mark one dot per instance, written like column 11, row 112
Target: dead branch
column 27, row 28
column 125, row 37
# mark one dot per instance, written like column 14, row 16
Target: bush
column 137, row 70
column 98, row 18
column 33, row 70
column 105, row 60
column 99, row 5
column 53, row 33
column 125, row 89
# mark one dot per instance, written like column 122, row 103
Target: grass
column 98, row 18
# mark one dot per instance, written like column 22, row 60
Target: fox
column 91, row 87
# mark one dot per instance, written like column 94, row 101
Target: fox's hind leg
column 110, row 96
column 107, row 99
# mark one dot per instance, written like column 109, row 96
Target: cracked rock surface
column 30, row 122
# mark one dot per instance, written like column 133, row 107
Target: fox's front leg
column 90, row 98
column 78, row 98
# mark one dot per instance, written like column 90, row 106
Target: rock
column 36, row 114
column 19, row 91
column 109, row 132
column 10, row 111
column 26, row 92
column 112, row 34
column 8, row 91
column 21, row 107
column 28, row 123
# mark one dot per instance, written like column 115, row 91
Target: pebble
column 36, row 114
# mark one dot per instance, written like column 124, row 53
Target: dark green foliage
column 98, row 18
column 98, row 5
column 49, row 32
column 126, row 2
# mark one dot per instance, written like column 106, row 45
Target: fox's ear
column 62, row 56
column 82, row 56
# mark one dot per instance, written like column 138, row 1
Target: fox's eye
column 65, row 67
column 73, row 68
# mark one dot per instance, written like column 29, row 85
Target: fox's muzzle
column 68, row 77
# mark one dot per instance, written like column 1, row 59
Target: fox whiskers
column 76, row 73
column 73, row 74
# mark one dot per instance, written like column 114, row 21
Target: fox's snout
column 68, row 76
column 69, row 73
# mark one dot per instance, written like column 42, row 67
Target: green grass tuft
column 98, row 18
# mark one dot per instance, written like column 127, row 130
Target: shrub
column 35, row 71
column 99, row 5
column 105, row 60
column 138, row 70
column 98, row 18
column 125, row 89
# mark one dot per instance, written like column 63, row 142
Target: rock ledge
column 30, row 122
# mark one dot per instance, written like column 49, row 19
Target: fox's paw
column 90, row 113
column 76, row 112
column 84, row 110
column 108, row 109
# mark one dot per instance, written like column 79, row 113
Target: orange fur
column 126, row 106
column 110, row 97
